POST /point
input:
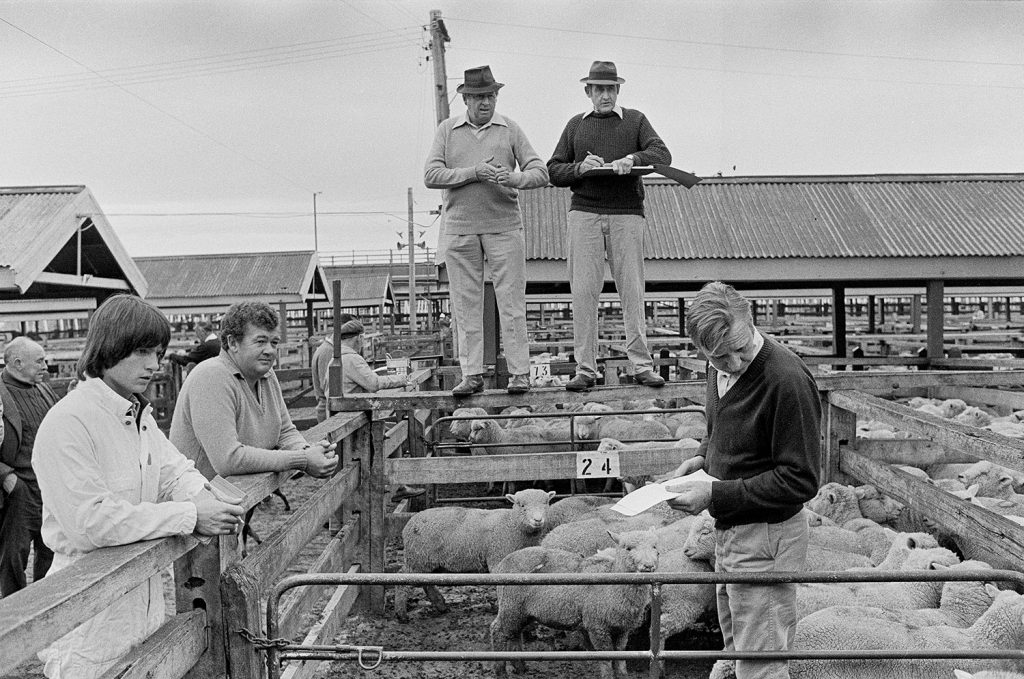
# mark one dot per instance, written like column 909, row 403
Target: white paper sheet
column 653, row 493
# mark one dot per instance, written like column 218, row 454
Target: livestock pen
column 221, row 627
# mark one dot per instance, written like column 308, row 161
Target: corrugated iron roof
column 36, row 222
column 247, row 274
column 802, row 217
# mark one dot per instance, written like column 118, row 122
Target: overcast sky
column 206, row 127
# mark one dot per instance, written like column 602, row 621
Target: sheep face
column 461, row 429
column 637, row 551
column 484, row 431
column 585, row 426
column 530, row 508
column 974, row 417
column 700, row 542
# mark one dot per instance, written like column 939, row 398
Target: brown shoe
column 470, row 384
column 519, row 384
column 649, row 378
column 580, row 382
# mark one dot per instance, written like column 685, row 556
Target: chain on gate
column 281, row 644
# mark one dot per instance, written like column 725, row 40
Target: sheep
column 960, row 605
column 619, row 427
column 463, row 540
column 687, row 449
column 683, row 605
column 988, row 674
column 1010, row 429
column 837, row 502
column 608, row 613
column 993, row 480
column 974, row 417
column 816, row 596
column 876, row 506
column 589, row 534
column 488, row 431
column 1000, row 627
column 573, row 508
column 900, row 549
column 460, row 429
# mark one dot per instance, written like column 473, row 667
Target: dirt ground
column 464, row 627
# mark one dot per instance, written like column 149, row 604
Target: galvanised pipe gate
column 370, row 657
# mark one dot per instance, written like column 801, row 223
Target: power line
column 703, row 43
column 127, row 76
column 145, row 101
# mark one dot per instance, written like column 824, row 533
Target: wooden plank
column 337, row 556
column 980, row 443
column 197, row 585
column 973, row 363
column 336, row 427
column 169, row 653
column 839, row 426
column 272, row 556
column 916, row 452
column 881, row 382
column 1002, row 538
column 36, row 616
column 326, row 628
column 989, row 397
column 378, row 525
column 241, row 610
column 395, row 438
column 522, row 467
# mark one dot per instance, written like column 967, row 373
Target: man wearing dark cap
column 594, row 158
column 474, row 159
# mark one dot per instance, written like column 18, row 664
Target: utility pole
column 438, row 37
column 316, row 239
column 412, row 270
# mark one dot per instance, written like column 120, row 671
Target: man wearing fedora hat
column 474, row 159
column 594, row 157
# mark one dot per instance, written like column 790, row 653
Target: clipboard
column 686, row 179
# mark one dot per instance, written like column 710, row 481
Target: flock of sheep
column 852, row 528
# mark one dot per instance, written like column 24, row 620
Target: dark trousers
column 20, row 523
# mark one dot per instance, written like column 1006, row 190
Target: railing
column 219, row 594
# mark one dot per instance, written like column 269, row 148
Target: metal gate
column 371, row 657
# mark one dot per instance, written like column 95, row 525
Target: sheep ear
column 936, row 566
column 511, row 498
column 960, row 674
column 991, row 589
column 551, row 495
column 1005, row 480
column 614, row 536
column 911, row 543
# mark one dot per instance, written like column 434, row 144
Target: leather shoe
column 649, row 378
column 580, row 382
column 519, row 384
column 403, row 492
column 470, row 384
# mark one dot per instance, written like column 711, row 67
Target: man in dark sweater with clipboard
column 594, row 158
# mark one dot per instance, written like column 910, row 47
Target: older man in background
column 208, row 346
column 474, row 159
column 26, row 398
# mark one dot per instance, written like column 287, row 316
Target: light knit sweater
column 220, row 425
column 472, row 206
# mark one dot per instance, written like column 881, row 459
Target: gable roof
column 363, row 290
column 877, row 216
column 223, row 279
column 39, row 243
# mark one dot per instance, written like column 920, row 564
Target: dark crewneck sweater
column 764, row 440
column 612, row 138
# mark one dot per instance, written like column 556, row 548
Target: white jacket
column 105, row 482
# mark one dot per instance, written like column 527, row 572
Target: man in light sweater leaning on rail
column 231, row 417
column 474, row 159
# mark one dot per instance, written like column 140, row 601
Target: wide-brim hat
column 478, row 80
column 603, row 73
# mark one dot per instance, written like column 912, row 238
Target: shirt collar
column 617, row 111
column 758, row 345
column 110, row 400
column 211, row 336
column 496, row 119
column 229, row 362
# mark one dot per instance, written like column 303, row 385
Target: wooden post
column 839, row 428
column 378, row 523
column 871, row 314
column 197, row 585
column 881, row 310
column 915, row 313
column 310, row 331
column 282, row 312
column 1009, row 314
column 240, row 599
column 936, row 318
column 361, row 451
column 839, row 322
column 682, row 317
column 665, row 353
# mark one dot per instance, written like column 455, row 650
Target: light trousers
column 621, row 237
column 760, row 617
column 506, row 257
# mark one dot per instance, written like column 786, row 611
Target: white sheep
column 974, row 417
column 488, row 431
column 816, row 596
column 900, row 549
column 467, row 540
column 988, row 674
column 876, row 506
column 589, row 533
column 608, row 613
column 1001, row 627
column 837, row 502
column 993, row 480
column 620, row 428
column 683, row 605
column 573, row 508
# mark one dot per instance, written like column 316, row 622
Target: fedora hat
column 603, row 73
column 478, row 80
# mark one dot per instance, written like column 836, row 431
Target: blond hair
column 716, row 309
